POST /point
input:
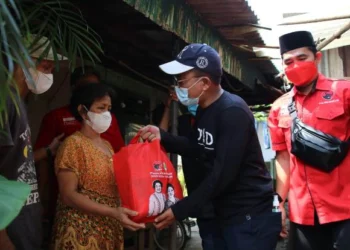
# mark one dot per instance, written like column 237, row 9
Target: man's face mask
column 301, row 73
column 42, row 81
column 193, row 109
column 182, row 95
column 99, row 122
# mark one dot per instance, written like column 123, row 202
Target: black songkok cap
column 296, row 40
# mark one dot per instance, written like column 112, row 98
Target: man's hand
column 55, row 144
column 150, row 133
column 164, row 220
column 284, row 232
column 122, row 215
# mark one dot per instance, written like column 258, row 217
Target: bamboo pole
column 263, row 58
column 316, row 20
column 245, row 24
column 260, row 46
column 266, row 46
column 336, row 35
column 174, row 107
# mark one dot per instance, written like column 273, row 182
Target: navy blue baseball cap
column 195, row 56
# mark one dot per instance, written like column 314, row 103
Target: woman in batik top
column 88, row 214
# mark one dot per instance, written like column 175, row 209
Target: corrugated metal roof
column 233, row 18
column 135, row 44
column 237, row 23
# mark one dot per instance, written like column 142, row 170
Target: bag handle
column 137, row 138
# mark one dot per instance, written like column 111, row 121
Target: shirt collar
column 321, row 84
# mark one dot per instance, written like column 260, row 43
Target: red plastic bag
column 146, row 179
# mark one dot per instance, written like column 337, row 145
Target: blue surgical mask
column 193, row 109
column 182, row 95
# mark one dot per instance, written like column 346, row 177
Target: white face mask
column 99, row 122
column 42, row 81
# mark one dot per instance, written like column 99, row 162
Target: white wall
column 332, row 64
column 335, row 63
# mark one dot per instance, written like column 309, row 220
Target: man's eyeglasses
column 177, row 81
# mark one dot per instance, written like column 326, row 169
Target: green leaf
column 15, row 9
column 89, row 51
column 81, row 56
column 60, row 21
column 5, row 44
column 55, row 56
column 13, row 195
column 10, row 18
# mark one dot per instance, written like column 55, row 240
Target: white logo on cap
column 182, row 51
column 202, row 62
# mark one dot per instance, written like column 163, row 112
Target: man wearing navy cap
column 226, row 148
column 319, row 192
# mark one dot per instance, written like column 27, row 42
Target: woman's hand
column 122, row 215
column 55, row 144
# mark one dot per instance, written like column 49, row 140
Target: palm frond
column 60, row 21
column 12, row 51
column 65, row 27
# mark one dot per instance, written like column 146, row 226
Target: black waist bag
column 315, row 148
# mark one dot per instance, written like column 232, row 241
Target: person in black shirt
column 225, row 144
column 207, row 224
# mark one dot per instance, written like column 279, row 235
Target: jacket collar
column 322, row 83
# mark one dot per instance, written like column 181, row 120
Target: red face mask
column 301, row 73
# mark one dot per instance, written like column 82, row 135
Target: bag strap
column 294, row 114
column 292, row 109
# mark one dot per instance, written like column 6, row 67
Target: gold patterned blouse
column 74, row 229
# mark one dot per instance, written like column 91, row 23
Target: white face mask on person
column 42, row 81
column 99, row 122
column 182, row 95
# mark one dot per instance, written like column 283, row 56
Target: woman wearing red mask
column 319, row 198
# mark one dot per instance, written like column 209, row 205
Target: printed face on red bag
column 157, row 186
column 157, row 200
column 146, row 180
column 171, row 192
